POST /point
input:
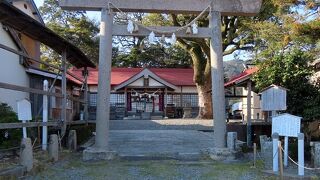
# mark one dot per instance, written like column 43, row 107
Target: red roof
column 242, row 76
column 175, row 76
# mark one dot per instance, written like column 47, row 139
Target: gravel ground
column 72, row 167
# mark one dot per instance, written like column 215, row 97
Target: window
column 117, row 99
column 93, row 99
column 190, row 100
column 173, row 99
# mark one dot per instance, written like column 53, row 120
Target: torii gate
column 108, row 29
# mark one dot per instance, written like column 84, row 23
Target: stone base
column 98, row 154
column 222, row 154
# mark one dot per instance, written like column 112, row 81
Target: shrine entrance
column 215, row 8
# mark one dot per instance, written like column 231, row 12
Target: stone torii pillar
column 100, row 150
column 218, row 97
column 218, row 8
column 103, row 99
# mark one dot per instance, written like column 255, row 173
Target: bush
column 9, row 137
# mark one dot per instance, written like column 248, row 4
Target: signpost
column 45, row 117
column 24, row 114
column 288, row 125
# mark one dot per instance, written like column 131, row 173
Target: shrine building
column 145, row 93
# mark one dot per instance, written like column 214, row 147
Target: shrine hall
column 145, row 93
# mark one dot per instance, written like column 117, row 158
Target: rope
column 308, row 168
column 164, row 32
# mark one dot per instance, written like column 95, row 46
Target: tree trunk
column 205, row 103
column 202, row 78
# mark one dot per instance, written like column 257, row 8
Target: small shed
column 274, row 98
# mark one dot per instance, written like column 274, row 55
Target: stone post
column 263, row 139
column 218, row 99
column 53, row 147
column 26, row 155
column 72, row 140
column 301, row 154
column 275, row 153
column 316, row 151
column 231, row 140
column 103, row 99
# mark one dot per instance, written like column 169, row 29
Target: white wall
column 153, row 82
column 187, row 89
column 11, row 71
column 93, row 88
column 255, row 105
column 138, row 82
column 21, row 5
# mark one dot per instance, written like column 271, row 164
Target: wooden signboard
column 286, row 125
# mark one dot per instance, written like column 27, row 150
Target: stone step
column 163, row 156
column 156, row 117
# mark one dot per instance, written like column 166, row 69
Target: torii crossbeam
column 107, row 30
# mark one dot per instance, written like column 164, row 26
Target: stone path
column 167, row 124
column 159, row 144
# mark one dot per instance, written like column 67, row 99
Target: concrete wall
column 11, row 71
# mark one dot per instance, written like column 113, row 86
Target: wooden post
column 249, row 144
column 126, row 100
column 254, row 154
column 85, row 96
column 64, row 93
column 218, row 96
column 165, row 102
column 181, row 104
column 280, row 160
column 103, row 99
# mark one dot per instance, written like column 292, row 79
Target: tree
column 292, row 71
column 265, row 34
column 9, row 137
column 235, row 36
column 75, row 27
column 153, row 56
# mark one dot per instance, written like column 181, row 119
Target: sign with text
column 286, row 125
column 24, row 110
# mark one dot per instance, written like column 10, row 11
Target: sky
column 96, row 17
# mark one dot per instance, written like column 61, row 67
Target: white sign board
column 286, row 125
column 24, row 110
